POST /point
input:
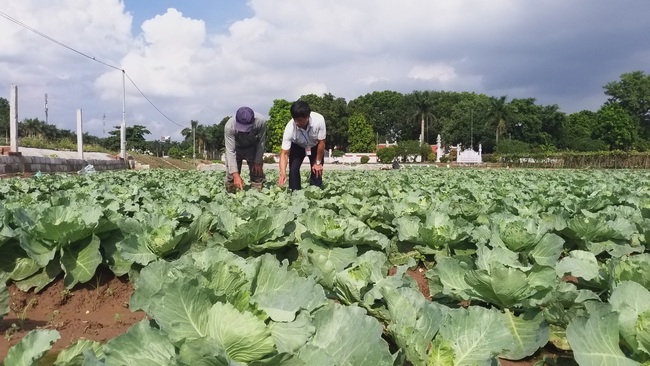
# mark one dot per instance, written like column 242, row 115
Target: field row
column 515, row 261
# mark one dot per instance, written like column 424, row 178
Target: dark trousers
column 296, row 156
column 257, row 181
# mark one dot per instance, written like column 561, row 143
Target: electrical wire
column 16, row 21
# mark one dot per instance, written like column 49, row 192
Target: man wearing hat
column 245, row 139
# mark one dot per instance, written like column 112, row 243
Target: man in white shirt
column 245, row 139
column 303, row 136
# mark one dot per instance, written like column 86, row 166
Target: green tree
column 616, row 127
column 632, row 93
column 361, row 137
column 136, row 133
column 578, row 133
column 134, row 138
column 525, row 121
column 195, row 134
column 279, row 115
column 422, row 107
column 4, row 119
column 214, row 139
column 554, row 123
column 498, row 114
column 31, row 127
column 509, row 146
column 385, row 111
column 581, row 124
column 335, row 111
column 465, row 123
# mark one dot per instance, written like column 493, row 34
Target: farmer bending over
column 303, row 135
column 245, row 139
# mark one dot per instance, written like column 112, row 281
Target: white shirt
column 308, row 137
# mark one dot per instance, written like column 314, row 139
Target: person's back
column 245, row 139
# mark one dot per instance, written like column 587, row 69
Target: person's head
column 244, row 119
column 300, row 112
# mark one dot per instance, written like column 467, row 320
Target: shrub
column 584, row 144
column 386, row 155
column 175, row 153
column 365, row 159
column 408, row 148
column 337, row 153
column 269, row 159
column 507, row 146
column 641, row 145
column 432, row 156
column 490, row 158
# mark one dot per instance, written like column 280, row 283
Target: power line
column 16, row 21
column 145, row 97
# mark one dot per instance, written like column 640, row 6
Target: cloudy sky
column 201, row 60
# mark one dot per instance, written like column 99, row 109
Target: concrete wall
column 33, row 164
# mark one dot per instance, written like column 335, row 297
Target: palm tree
column 30, row 127
column 201, row 136
column 194, row 124
column 498, row 114
column 423, row 104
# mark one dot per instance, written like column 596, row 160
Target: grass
column 164, row 163
column 69, row 145
column 63, row 145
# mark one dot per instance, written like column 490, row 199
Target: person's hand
column 237, row 181
column 317, row 169
column 282, row 179
column 256, row 169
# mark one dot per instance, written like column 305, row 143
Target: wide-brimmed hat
column 244, row 119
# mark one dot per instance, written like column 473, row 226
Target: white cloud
column 439, row 71
column 285, row 49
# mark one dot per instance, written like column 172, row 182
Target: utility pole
column 194, row 143
column 80, row 134
column 45, row 108
column 123, row 126
column 471, row 128
column 13, row 118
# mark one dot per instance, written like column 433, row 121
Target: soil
column 97, row 310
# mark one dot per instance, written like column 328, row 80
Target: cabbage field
column 519, row 263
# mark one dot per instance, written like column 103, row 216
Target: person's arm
column 284, row 159
column 231, row 157
column 284, row 155
column 317, row 168
column 320, row 151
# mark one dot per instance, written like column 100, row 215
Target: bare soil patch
column 97, row 310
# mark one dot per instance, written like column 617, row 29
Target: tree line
column 497, row 123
